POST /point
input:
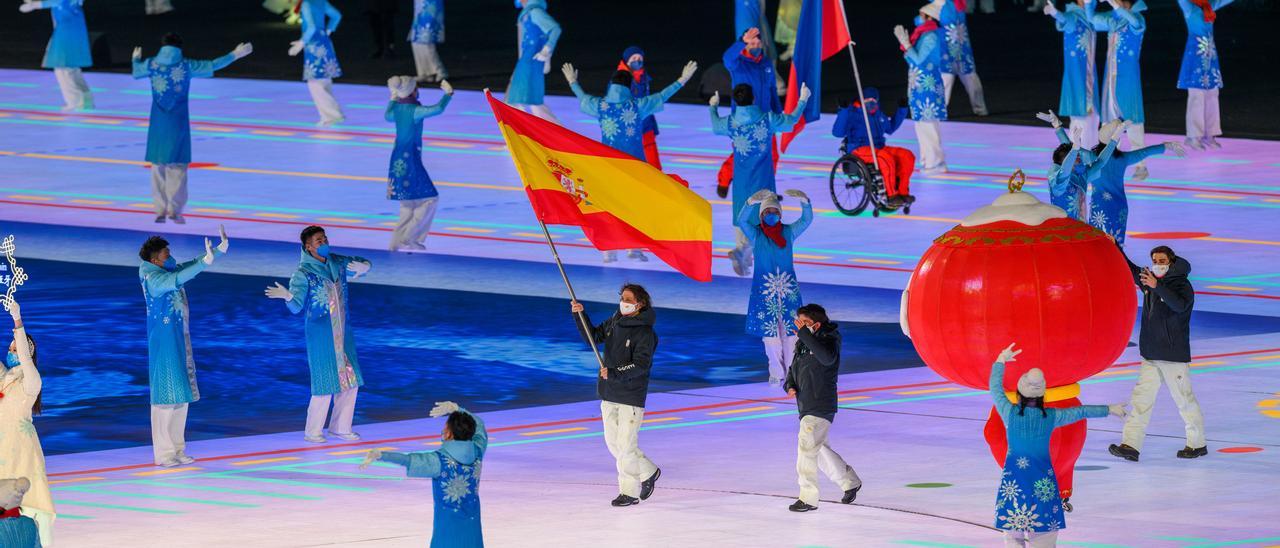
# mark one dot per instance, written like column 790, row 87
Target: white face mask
column 627, row 309
column 1159, row 270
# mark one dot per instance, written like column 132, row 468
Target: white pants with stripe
column 168, row 432
column 1178, row 376
column 813, row 454
column 622, row 436
column 344, row 408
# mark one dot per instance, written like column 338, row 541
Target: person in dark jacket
column 812, row 381
column 628, row 342
column 896, row 163
column 1165, row 344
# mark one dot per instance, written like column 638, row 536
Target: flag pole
column 857, row 78
column 582, row 316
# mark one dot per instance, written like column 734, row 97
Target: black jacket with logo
column 628, row 343
column 815, row 367
column 1165, row 334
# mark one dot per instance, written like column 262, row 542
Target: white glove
column 208, row 252
column 295, row 47
column 904, row 38
column 799, row 195
column 1049, row 9
column 543, row 54
column 1008, row 354
column 137, row 53
column 759, row 196
column 804, row 92
column 1113, row 4
column 687, row 73
column 29, row 7
column 1117, row 409
column 278, row 291
column 242, row 50
column 1124, row 128
column 715, row 100
column 372, row 455
column 446, row 87
column 570, row 73
column 15, row 311
column 443, row 408
column 1175, row 148
column 1050, row 117
column 222, row 245
column 358, row 268
column 1077, row 134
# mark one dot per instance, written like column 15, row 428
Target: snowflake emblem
column 1009, row 490
column 1044, row 490
column 742, row 144
column 927, row 110
column 1023, row 463
column 957, row 36
column 629, row 116
column 631, row 131
column 1084, row 42
column 1205, row 47
column 318, row 50
column 1098, row 219
column 26, row 427
column 1020, row 517
column 331, row 68
column 159, row 84
column 609, row 127
column 456, row 489
column 914, row 77
column 759, row 133
column 178, row 73
column 399, row 167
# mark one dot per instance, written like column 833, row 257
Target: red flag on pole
column 823, row 32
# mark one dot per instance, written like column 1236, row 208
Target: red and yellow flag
column 620, row 202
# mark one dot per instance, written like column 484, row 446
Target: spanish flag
column 620, row 202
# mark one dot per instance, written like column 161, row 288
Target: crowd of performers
column 801, row 343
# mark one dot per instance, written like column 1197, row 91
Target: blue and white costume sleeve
column 1108, row 206
column 775, row 291
column 536, row 30
column 622, row 116
column 407, row 178
column 69, row 45
column 1122, row 83
column 170, row 366
column 1200, row 68
column 320, row 59
column 320, row 292
column 924, row 78
column 1079, row 75
column 170, row 75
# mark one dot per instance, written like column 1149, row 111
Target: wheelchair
column 856, row 185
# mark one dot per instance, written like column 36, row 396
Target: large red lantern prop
column 1020, row 271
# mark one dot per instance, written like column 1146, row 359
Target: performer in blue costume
column 775, row 291
column 1200, row 75
column 426, row 32
column 68, row 50
column 454, row 470
column 1028, row 507
column 1108, row 207
column 169, row 130
column 1072, row 169
column 1079, row 98
column 171, row 366
column 407, row 179
column 319, row 289
column 749, row 63
column 922, row 49
column 957, row 56
column 633, row 62
column 16, row 530
column 751, row 129
column 1122, row 83
column 537, row 33
column 320, row 59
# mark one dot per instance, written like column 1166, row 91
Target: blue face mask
column 11, row 360
column 170, row 264
column 918, row 20
column 771, row 219
column 636, row 65
column 323, row 250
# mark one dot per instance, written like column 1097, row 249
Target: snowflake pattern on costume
column 1009, row 490
column 1044, row 490
column 428, row 24
column 1020, row 517
column 1200, row 68
column 609, row 127
column 320, row 61
column 1023, row 462
column 779, row 297
column 457, row 486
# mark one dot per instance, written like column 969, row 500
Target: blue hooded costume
column 535, row 30
column 1108, row 207
column 775, row 291
column 69, row 45
column 752, row 131
column 407, row 178
column 171, row 369
column 957, row 57
column 320, row 291
column 1122, row 84
column 428, row 24
column 1069, row 181
column 1200, row 68
column 169, row 131
column 1079, row 75
column 320, row 60
column 622, row 115
column 924, row 77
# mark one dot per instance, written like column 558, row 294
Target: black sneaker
column 646, row 486
column 1125, row 452
column 850, row 495
column 1189, row 453
column 800, row 506
column 624, row 500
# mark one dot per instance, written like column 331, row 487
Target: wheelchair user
column 896, row 163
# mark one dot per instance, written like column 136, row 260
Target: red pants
column 651, row 149
column 896, row 165
column 725, row 176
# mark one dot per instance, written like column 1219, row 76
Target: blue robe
column 171, row 369
column 69, row 45
column 320, row 290
column 169, row 131
column 535, row 29
column 640, row 90
column 1122, row 82
column 1108, row 207
column 775, row 292
column 1200, row 68
column 428, row 22
column 320, row 60
column 407, row 178
column 454, row 470
column 1079, row 74
column 924, row 78
column 757, row 73
column 1028, row 498
column 622, row 116
column 19, row 532
column 957, row 57
column 752, row 132
column 1068, row 186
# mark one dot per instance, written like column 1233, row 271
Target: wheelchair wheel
column 849, row 181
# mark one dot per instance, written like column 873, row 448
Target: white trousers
column 155, row 7
column 813, row 454
column 1088, row 128
column 344, row 408
column 541, row 111
column 415, row 221
column 75, row 91
column 168, row 431
column 1178, row 376
column 1203, row 118
column 622, row 436
column 322, row 95
column 1136, row 133
column 929, row 135
column 972, row 85
column 1023, row 539
column 169, row 188
column 427, row 61
column 779, row 351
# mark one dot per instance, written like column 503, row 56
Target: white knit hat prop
column 771, row 202
column 401, row 86
column 933, row 9
column 1108, row 131
column 1031, row 383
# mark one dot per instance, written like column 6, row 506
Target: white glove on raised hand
column 804, row 92
column 543, row 54
column 1175, row 148
column 358, row 268
column 278, row 291
column 15, row 311
column 687, row 72
column 295, row 47
column 446, row 87
column 715, row 99
column 1050, row 9
column 797, row 194
column 1051, row 118
column 443, row 408
column 137, row 53
column 1008, row 354
column 29, row 7
column 1117, row 409
column 759, row 196
column 242, row 50
column 208, row 252
column 904, row 38
column 1077, row 134
column 222, row 245
column 372, row 455
column 570, row 73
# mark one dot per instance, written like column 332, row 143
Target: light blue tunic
column 69, row 45
column 957, row 57
column 1108, row 207
column 1122, row 83
column 622, row 116
column 924, row 78
column 320, row 290
column 319, row 60
column 455, row 473
column 1200, row 68
column 752, row 132
column 19, row 532
column 169, row 131
column 407, row 178
column 1069, row 182
column 171, row 368
column 775, row 292
column 1028, row 498
column 428, row 22
column 1079, row 73
column 535, row 29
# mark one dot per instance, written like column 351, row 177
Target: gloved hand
column 1117, row 409
column 1008, row 354
column 222, row 245
column 1077, row 134
column 137, row 53
column 543, row 54
column 797, row 194
column 295, row 47
column 1051, row 118
column 570, row 73
column 28, row 7
column 804, row 92
column 759, row 196
column 722, row 191
column 358, row 268
column 1175, row 148
column 715, row 101
column 16, row 312
column 443, row 408
column 446, row 87
column 242, row 50
column 904, row 38
column 278, row 291
column 208, row 252
column 687, row 73
column 1049, row 9
column 370, row 457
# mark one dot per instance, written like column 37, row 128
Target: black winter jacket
column 1166, row 314
column 815, row 367
column 628, row 343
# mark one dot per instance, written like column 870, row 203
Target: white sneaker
column 1141, row 173
column 1194, row 143
column 314, row 439
column 169, row 463
column 637, row 255
column 416, row 246
column 940, row 168
column 184, row 459
column 349, row 436
column 1213, row 142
